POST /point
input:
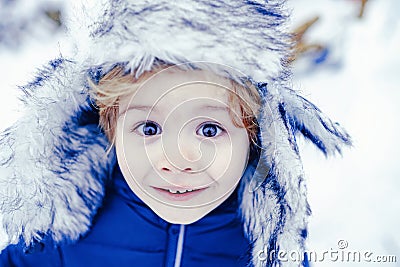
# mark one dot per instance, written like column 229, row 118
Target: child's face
column 173, row 136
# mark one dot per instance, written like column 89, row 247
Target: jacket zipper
column 179, row 247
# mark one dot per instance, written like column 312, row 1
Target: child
column 195, row 163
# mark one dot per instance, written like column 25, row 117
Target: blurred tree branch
column 301, row 46
column 54, row 15
column 362, row 8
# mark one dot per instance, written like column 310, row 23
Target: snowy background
column 354, row 79
column 355, row 197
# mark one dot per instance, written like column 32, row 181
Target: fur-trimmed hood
column 53, row 163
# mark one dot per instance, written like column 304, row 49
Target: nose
column 180, row 154
column 174, row 175
column 170, row 167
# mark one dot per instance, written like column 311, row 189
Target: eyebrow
column 154, row 108
column 215, row 108
column 141, row 108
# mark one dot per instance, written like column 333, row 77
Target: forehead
column 173, row 87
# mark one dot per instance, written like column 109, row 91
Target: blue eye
column 148, row 128
column 210, row 130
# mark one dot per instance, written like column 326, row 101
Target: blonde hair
column 117, row 84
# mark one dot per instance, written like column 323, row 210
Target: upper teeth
column 179, row 191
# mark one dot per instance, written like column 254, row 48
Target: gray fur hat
column 53, row 165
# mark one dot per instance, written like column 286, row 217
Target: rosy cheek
column 133, row 157
column 233, row 159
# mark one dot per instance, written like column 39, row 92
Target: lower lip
column 179, row 197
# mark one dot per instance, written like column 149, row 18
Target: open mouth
column 181, row 191
column 179, row 194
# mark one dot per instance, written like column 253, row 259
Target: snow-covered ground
column 355, row 197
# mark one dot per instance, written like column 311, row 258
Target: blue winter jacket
column 126, row 232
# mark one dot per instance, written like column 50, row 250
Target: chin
column 184, row 215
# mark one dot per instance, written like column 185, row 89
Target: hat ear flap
column 274, row 199
column 306, row 118
column 274, row 195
